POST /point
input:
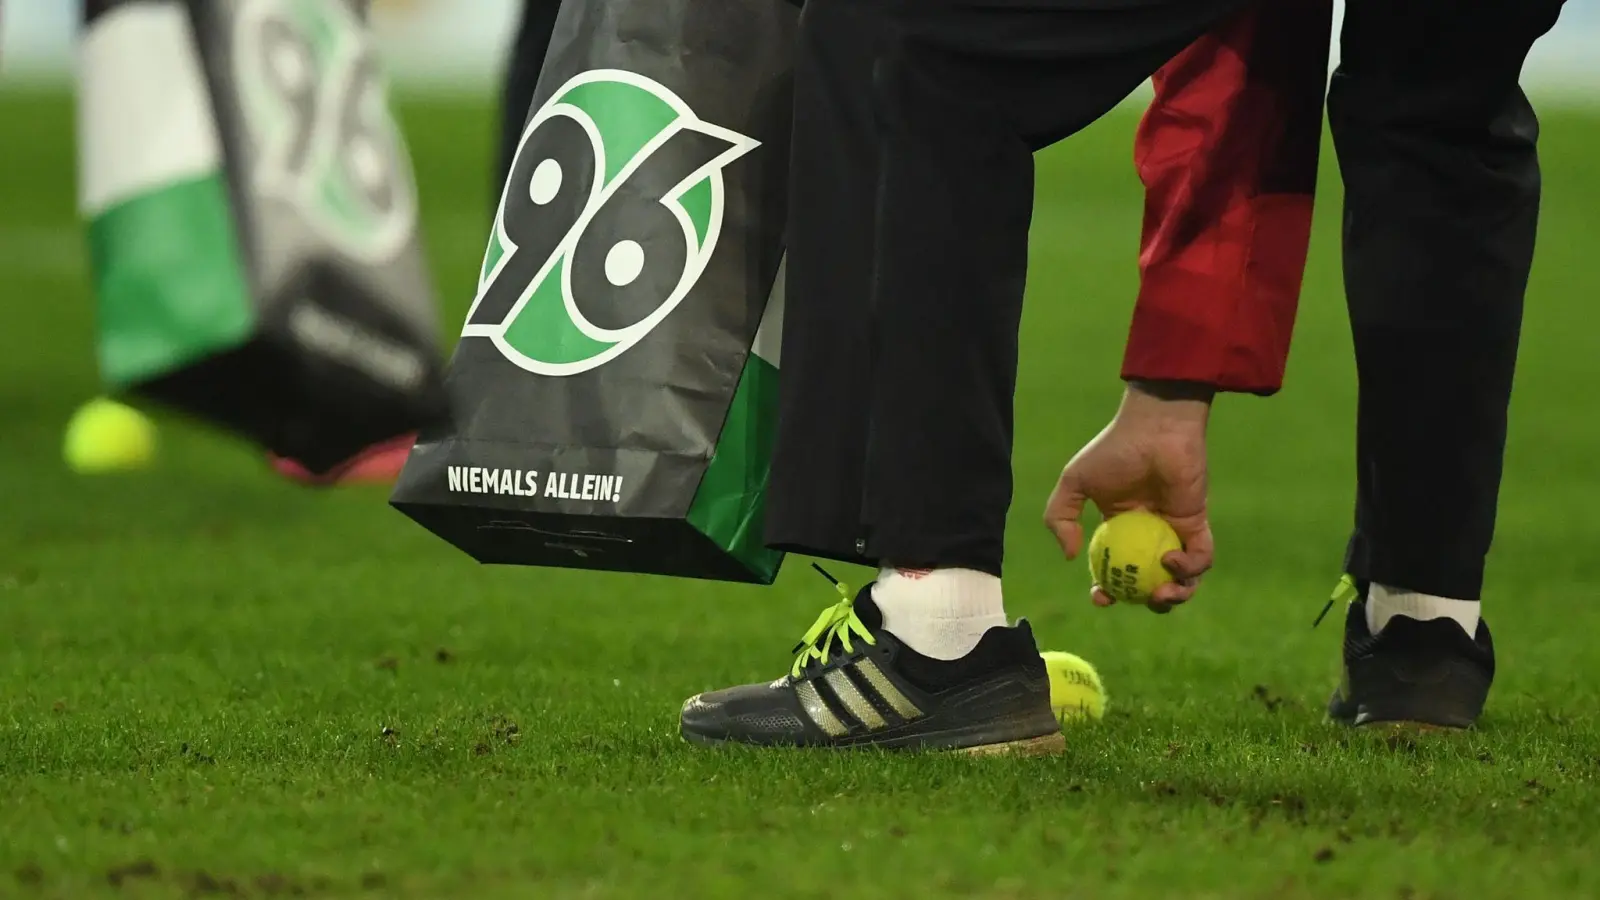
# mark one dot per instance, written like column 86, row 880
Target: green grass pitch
column 213, row 682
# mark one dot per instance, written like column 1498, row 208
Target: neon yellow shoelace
column 1345, row 591
column 838, row 623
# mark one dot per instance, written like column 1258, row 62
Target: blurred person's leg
column 1437, row 146
column 525, row 58
column 378, row 464
column 522, row 67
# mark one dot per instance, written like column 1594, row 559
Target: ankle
column 940, row 612
column 1385, row 603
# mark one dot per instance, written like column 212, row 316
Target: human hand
column 1152, row 456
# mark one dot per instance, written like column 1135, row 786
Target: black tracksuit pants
column 911, row 196
column 1436, row 144
column 912, row 192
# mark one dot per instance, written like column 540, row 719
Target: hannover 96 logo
column 610, row 214
column 313, row 92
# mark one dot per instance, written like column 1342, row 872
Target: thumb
column 1198, row 550
column 1062, row 512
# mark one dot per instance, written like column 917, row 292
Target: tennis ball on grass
column 1075, row 689
column 1125, row 555
column 106, row 436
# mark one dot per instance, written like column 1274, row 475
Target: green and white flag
column 252, row 222
column 615, row 387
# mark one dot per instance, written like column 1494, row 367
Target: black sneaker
column 855, row 685
column 1419, row 673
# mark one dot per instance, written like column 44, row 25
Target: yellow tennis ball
column 1075, row 689
column 106, row 436
column 1125, row 555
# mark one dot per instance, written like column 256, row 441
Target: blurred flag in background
column 427, row 43
column 438, row 44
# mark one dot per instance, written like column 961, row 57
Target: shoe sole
column 1043, row 745
column 1339, row 714
column 1398, row 727
column 1412, row 729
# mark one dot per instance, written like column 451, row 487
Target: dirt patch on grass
column 29, row 875
column 1267, row 697
column 116, row 876
column 200, row 883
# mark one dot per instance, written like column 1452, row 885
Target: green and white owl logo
column 316, row 105
column 609, row 217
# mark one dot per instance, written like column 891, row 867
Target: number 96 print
column 609, row 217
column 316, row 105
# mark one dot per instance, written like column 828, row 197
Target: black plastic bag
column 615, row 386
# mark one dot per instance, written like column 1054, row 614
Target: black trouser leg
column 814, row 494
column 912, row 194
column 522, row 78
column 1436, row 143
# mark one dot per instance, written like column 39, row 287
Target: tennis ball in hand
column 1125, row 555
column 106, row 436
column 1075, row 689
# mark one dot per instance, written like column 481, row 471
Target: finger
column 1175, row 592
column 1062, row 512
column 1069, row 535
column 1184, row 565
column 1159, row 609
column 1101, row 598
column 1197, row 555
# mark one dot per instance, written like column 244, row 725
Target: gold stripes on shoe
column 811, row 701
column 854, row 701
column 899, row 702
column 862, row 697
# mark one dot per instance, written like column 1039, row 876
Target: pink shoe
column 378, row 464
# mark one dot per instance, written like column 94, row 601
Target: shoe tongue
column 867, row 610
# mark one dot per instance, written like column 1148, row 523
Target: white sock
column 1384, row 603
column 941, row 613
